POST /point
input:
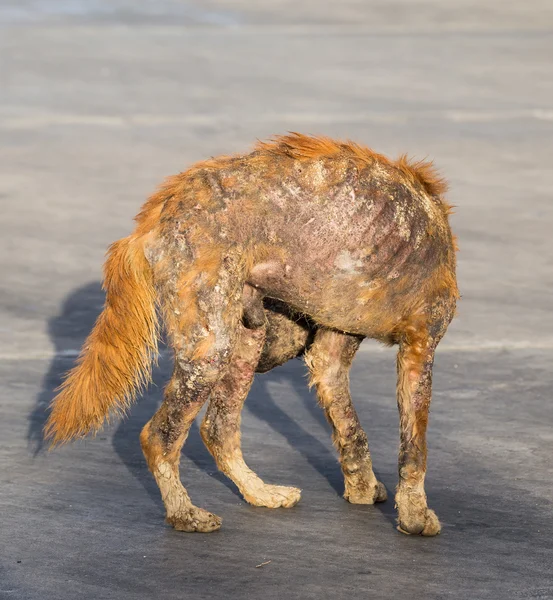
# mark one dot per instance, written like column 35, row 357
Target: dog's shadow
column 68, row 331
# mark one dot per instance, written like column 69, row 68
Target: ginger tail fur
column 116, row 360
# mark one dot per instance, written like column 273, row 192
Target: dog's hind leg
column 329, row 360
column 221, row 426
column 162, row 439
column 202, row 352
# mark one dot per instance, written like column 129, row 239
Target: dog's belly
column 346, row 295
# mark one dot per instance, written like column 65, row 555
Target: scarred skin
column 355, row 244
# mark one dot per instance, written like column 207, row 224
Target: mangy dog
column 305, row 245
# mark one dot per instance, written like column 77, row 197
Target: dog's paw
column 425, row 523
column 273, row 496
column 366, row 494
column 195, row 519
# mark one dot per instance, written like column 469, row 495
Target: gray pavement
column 99, row 100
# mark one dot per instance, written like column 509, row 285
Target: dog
column 307, row 245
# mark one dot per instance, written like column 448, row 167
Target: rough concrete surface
column 99, row 100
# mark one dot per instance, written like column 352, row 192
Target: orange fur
column 424, row 173
column 299, row 146
column 116, row 359
column 455, row 243
column 202, row 347
column 148, row 217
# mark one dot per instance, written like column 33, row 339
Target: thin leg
column 162, row 439
column 221, row 426
column 203, row 326
column 329, row 361
column 414, row 389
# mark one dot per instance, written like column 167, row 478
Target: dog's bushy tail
column 116, row 359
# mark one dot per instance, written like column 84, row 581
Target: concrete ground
column 99, row 100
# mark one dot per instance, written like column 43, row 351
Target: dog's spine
column 115, row 362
